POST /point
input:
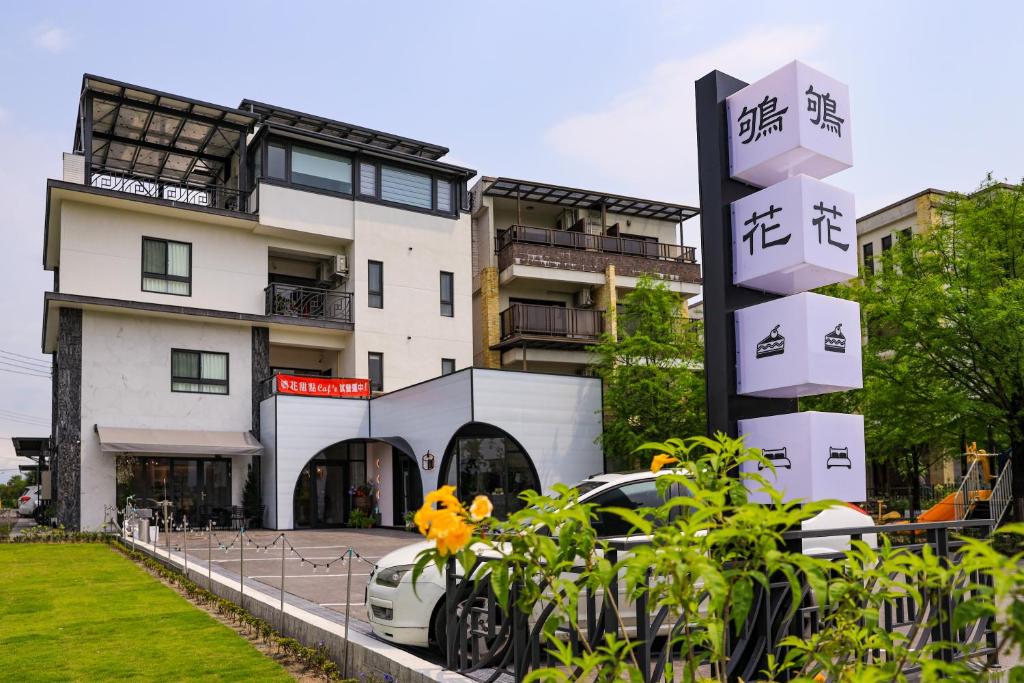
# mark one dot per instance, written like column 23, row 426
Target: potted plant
column 362, row 498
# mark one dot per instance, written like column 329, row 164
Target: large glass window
column 333, row 484
column 321, row 169
column 447, row 294
column 277, row 166
column 375, row 284
column 869, row 258
column 375, row 368
column 633, row 496
column 166, row 266
column 405, row 187
column 198, row 488
column 483, row 460
column 201, row 372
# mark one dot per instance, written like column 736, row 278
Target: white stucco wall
column 309, row 212
column 126, row 382
column 556, row 419
column 303, row 427
column 410, row 330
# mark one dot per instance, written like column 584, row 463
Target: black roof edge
column 162, row 93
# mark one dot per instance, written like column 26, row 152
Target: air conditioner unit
column 584, row 299
column 334, row 270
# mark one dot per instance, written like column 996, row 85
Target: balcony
column 580, row 251
column 205, row 196
column 309, row 303
column 552, row 327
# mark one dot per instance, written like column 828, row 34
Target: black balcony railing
column 309, row 302
column 578, row 324
column 208, row 196
column 525, row 234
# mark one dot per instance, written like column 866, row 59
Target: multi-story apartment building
column 199, row 250
column 550, row 263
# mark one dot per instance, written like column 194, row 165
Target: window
column 444, row 195
column 640, row 494
column 886, row 243
column 906, row 233
column 200, row 372
column 276, row 162
column 405, row 187
column 447, row 366
column 375, row 284
column 321, row 169
column 166, row 267
column 375, row 368
column 869, row 258
column 447, row 294
column 482, row 459
column 367, row 179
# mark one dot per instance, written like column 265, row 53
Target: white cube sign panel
column 796, row 235
column 795, row 120
column 799, row 345
column 817, row 456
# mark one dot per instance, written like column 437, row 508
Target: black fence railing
column 308, row 302
column 491, row 641
column 582, row 324
column 571, row 239
column 208, row 196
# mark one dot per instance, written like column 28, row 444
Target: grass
column 83, row 612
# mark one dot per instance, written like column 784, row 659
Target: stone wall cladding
column 260, row 372
column 68, row 426
column 582, row 260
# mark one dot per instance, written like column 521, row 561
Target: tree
column 12, row 490
column 653, row 373
column 945, row 326
column 252, row 502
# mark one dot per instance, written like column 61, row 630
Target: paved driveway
column 324, row 586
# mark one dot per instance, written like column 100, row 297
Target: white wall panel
column 268, row 461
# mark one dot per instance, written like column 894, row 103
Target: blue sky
column 584, row 93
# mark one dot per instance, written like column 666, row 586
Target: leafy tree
column 653, row 373
column 945, row 328
column 252, row 498
column 11, row 491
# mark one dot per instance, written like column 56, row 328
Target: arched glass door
column 484, row 460
column 331, row 484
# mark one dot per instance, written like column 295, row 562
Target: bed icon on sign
column 838, row 457
column 772, row 345
column 777, row 456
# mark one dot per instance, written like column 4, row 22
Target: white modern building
column 201, row 253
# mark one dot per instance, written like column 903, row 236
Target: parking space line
column 304, row 576
column 341, row 604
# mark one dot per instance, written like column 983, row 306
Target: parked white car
column 28, row 501
column 401, row 615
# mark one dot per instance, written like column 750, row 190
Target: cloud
column 51, row 38
column 644, row 140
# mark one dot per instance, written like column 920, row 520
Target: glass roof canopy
column 155, row 135
column 568, row 196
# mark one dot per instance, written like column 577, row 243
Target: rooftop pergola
column 529, row 191
column 340, row 130
column 153, row 135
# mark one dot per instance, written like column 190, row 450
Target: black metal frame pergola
column 529, row 191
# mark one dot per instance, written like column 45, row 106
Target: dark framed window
column 199, row 372
column 320, row 169
column 447, row 366
column 886, row 243
column 869, row 258
column 906, row 233
column 447, row 294
column 367, row 179
column 401, row 186
column 443, row 193
column 375, row 284
column 277, row 161
column 166, row 266
column 375, row 369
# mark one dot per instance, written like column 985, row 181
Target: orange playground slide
column 943, row 511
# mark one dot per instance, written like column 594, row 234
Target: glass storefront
column 331, row 485
column 483, row 460
column 198, row 488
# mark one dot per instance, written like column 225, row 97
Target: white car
column 28, row 501
column 401, row 615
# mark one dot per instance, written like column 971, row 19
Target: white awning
column 177, row 441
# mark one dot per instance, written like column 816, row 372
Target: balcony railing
column 207, row 196
column 309, row 302
column 525, row 234
column 533, row 320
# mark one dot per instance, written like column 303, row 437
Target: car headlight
column 392, row 576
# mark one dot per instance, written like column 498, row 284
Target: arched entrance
column 483, row 459
column 351, row 475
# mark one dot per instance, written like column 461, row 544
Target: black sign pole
column 721, row 297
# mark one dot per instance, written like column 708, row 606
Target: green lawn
column 87, row 613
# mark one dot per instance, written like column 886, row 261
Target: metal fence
column 489, row 640
column 314, row 303
column 528, row 234
column 209, row 196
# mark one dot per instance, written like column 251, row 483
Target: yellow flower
column 661, row 460
column 480, row 508
column 454, row 537
column 444, row 496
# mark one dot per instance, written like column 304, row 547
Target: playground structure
column 984, row 491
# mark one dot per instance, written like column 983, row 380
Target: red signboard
column 331, row 387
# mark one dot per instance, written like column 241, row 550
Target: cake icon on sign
column 835, row 340
column 772, row 345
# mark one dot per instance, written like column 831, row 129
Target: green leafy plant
column 252, row 500
column 357, row 519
